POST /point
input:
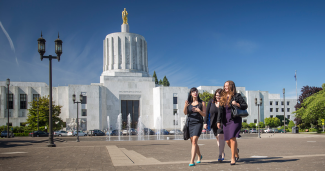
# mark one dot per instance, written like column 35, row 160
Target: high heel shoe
column 237, row 158
column 192, row 164
column 232, row 163
column 200, row 159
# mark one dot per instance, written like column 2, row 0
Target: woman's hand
column 196, row 109
column 186, row 103
column 205, row 126
column 235, row 103
column 218, row 125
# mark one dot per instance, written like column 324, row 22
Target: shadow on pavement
column 21, row 143
column 8, row 158
column 265, row 160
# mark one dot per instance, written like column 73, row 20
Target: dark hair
column 190, row 99
column 215, row 93
column 231, row 92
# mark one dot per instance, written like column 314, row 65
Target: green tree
column 43, row 109
column 252, row 125
column 276, row 122
column 165, row 81
column 313, row 108
column 244, row 125
column 262, row 125
column 268, row 122
column 160, row 82
column 291, row 124
column 155, row 76
column 206, row 96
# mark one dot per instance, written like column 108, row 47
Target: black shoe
column 237, row 158
column 232, row 163
column 237, row 150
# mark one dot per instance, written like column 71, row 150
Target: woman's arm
column 204, row 109
column 207, row 112
column 241, row 101
column 219, row 118
column 185, row 107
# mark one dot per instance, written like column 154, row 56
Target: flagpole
column 296, row 94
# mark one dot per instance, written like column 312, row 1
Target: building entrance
column 130, row 107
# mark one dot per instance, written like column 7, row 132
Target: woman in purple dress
column 231, row 125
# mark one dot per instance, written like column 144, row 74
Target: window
column 255, row 120
column 84, row 100
column 271, row 116
column 282, row 103
column 288, row 116
column 84, row 112
column 174, row 100
column 276, row 103
column 6, row 114
column 288, row 109
column 35, row 96
column 288, row 103
column 22, row 114
column 23, row 101
column 282, row 109
column 271, row 109
column 175, row 122
column 277, row 109
column 11, row 101
column 245, row 120
column 175, row 112
column 271, row 102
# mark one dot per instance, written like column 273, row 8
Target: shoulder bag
column 186, row 132
column 237, row 112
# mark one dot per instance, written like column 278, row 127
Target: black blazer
column 239, row 99
column 212, row 115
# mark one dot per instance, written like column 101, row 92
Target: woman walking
column 231, row 125
column 195, row 110
column 213, row 110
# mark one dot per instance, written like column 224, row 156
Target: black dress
column 213, row 110
column 195, row 121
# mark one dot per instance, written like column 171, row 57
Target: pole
column 51, row 143
column 258, row 122
column 8, row 112
column 296, row 94
column 77, row 123
column 284, row 110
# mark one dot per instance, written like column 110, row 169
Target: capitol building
column 126, row 87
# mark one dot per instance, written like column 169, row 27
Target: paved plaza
column 271, row 152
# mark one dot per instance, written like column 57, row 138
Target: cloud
column 10, row 41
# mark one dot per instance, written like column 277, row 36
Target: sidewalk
column 286, row 152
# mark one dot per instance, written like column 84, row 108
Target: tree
column 244, row 125
column 277, row 122
column 306, row 91
column 44, row 114
column 160, row 82
column 280, row 122
column 268, row 122
column 252, row 125
column 155, row 76
column 168, row 84
column 262, row 125
column 313, row 108
column 291, row 124
column 165, row 81
column 206, row 96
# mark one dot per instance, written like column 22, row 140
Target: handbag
column 186, row 132
column 236, row 112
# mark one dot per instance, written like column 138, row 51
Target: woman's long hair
column 190, row 98
column 215, row 93
column 231, row 91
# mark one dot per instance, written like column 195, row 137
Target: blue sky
column 257, row 44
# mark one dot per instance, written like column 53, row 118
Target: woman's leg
column 233, row 149
column 198, row 153
column 221, row 144
column 194, row 148
column 228, row 143
column 236, row 147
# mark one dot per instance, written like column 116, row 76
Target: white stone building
column 126, row 87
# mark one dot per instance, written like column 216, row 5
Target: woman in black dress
column 231, row 125
column 195, row 110
column 213, row 110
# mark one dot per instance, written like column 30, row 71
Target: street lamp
column 8, row 83
column 58, row 51
column 258, row 109
column 284, row 110
column 74, row 101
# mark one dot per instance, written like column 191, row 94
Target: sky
column 257, row 44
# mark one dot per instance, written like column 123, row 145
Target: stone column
column 116, row 52
column 104, row 55
column 142, row 56
column 111, row 54
column 123, row 43
column 131, row 52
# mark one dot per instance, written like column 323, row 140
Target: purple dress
column 231, row 126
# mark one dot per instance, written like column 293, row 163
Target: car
column 253, row 130
column 81, row 133
column 275, row 130
column 281, row 131
column 244, row 130
column 268, row 130
column 39, row 134
column 115, row 132
column 125, row 132
column 175, row 131
column 205, row 131
column 61, row 133
column 148, row 131
column 96, row 132
column 162, row 132
column 4, row 134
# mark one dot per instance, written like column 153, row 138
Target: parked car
column 162, row 132
column 244, row 130
column 147, row 130
column 275, row 130
column 39, row 134
column 253, row 130
column 115, row 132
column 205, row 131
column 125, row 132
column 4, row 134
column 281, row 131
column 133, row 131
column 268, row 130
column 81, row 133
column 61, row 133
column 175, row 131
column 96, row 132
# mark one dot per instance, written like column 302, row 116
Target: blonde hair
column 231, row 92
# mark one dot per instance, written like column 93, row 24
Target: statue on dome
column 125, row 16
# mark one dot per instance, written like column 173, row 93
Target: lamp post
column 8, row 83
column 258, row 116
column 58, row 51
column 284, row 110
column 74, row 101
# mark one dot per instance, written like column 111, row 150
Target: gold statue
column 125, row 16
